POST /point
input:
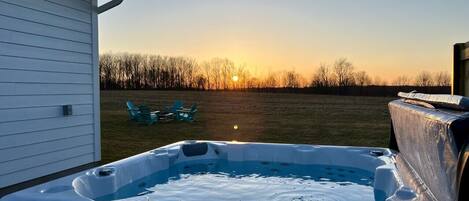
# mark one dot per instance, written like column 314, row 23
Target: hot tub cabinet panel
column 108, row 179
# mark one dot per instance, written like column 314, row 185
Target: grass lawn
column 261, row 117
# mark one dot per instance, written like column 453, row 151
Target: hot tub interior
column 253, row 180
column 203, row 170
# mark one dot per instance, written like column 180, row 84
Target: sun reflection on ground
column 236, row 142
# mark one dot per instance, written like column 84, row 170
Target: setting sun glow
column 235, row 78
column 288, row 36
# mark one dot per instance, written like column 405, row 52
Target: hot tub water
column 250, row 180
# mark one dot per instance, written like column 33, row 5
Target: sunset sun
column 235, row 78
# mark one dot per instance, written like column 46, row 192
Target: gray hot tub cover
column 430, row 141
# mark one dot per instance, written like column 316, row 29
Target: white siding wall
column 48, row 58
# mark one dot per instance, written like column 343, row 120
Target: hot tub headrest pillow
column 440, row 100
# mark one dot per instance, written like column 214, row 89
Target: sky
column 385, row 38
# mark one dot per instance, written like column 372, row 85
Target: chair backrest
column 131, row 105
column 194, row 108
column 177, row 105
column 145, row 115
column 133, row 110
column 144, row 110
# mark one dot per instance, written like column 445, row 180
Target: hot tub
column 217, row 170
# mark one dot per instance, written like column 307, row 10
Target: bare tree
column 291, row 79
column 216, row 72
column 378, row 81
column 362, row 78
column 200, row 82
column 322, row 77
column 424, row 79
column 226, row 67
column 106, row 68
column 442, row 78
column 206, row 73
column 343, row 72
column 253, row 83
column 243, row 75
column 402, row 80
column 271, row 81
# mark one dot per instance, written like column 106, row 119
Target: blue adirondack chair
column 133, row 110
column 177, row 105
column 145, row 116
column 186, row 114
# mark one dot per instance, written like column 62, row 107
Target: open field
column 261, row 117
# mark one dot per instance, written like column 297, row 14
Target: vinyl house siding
column 48, row 58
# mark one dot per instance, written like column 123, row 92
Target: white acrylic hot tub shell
column 87, row 184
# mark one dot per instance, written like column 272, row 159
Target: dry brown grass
column 261, row 117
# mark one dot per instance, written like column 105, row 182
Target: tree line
column 139, row 71
column 342, row 74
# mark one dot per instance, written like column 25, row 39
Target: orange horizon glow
column 385, row 39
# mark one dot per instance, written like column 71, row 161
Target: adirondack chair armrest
column 187, row 110
column 184, row 110
column 166, row 114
